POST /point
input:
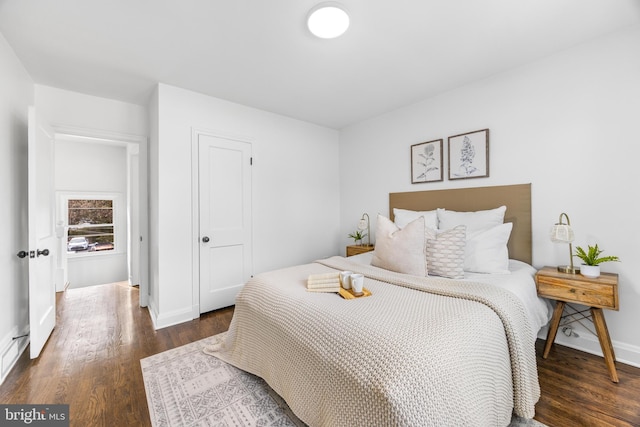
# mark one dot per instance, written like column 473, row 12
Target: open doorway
column 91, row 189
column 100, row 197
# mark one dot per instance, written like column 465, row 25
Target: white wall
column 295, row 191
column 16, row 88
column 99, row 169
column 77, row 110
column 568, row 124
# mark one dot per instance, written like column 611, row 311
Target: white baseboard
column 163, row 320
column 625, row 353
column 10, row 350
column 153, row 312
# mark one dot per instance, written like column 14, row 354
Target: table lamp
column 365, row 225
column 562, row 233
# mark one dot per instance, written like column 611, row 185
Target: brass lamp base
column 568, row 269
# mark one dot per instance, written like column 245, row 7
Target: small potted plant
column 591, row 260
column 357, row 236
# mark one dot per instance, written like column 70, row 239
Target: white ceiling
column 259, row 53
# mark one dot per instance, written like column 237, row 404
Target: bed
column 420, row 350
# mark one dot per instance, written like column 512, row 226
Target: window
column 91, row 225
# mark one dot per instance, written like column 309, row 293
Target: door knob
column 44, row 252
column 22, row 254
column 205, row 239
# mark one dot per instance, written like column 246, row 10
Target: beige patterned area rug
column 186, row 387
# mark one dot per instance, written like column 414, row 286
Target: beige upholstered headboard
column 517, row 199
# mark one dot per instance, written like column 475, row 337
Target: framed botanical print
column 426, row 162
column 469, row 155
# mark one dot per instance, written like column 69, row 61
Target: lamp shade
column 562, row 233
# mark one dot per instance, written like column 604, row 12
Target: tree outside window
column 90, row 225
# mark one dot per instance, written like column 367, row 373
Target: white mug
column 344, row 279
column 357, row 282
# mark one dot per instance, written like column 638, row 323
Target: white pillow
column 402, row 217
column 487, row 250
column 400, row 250
column 445, row 252
column 474, row 221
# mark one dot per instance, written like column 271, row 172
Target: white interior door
column 42, row 237
column 224, row 168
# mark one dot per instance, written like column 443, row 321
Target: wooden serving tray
column 348, row 293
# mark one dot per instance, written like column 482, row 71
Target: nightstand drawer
column 591, row 294
column 359, row 249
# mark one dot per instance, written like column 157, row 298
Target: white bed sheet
column 520, row 281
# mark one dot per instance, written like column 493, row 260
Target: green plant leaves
column 357, row 235
column 592, row 255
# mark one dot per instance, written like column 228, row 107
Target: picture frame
column 427, row 162
column 469, row 155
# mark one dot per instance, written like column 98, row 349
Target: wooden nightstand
column 359, row 249
column 598, row 293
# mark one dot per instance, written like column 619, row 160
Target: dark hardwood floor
column 92, row 359
column 92, row 363
column 576, row 390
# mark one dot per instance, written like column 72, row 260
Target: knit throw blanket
column 418, row 351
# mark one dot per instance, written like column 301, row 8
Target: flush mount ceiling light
column 328, row 20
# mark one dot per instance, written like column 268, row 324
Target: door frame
column 137, row 149
column 195, row 207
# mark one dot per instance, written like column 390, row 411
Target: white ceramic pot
column 591, row 271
